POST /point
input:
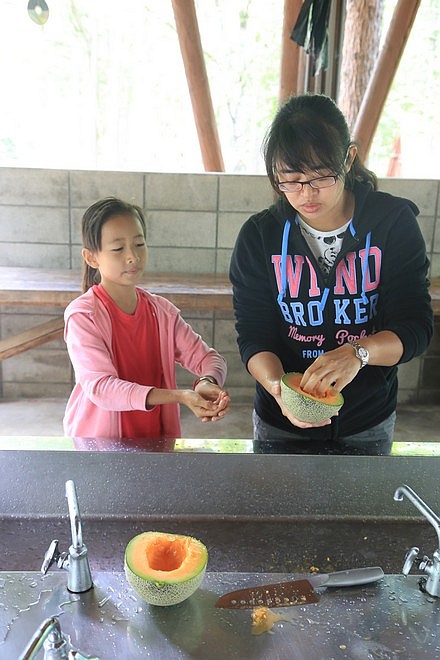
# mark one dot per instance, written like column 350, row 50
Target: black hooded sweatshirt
column 284, row 304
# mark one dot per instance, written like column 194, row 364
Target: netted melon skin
column 306, row 409
column 163, row 594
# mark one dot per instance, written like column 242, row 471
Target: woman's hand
column 210, row 403
column 334, row 369
column 267, row 368
column 339, row 367
column 275, row 390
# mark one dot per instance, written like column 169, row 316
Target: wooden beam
column 198, row 84
column 384, row 72
column 290, row 52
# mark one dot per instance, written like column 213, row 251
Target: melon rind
column 306, row 408
column 164, row 592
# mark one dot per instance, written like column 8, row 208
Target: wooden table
column 38, row 287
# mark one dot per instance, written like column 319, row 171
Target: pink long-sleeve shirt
column 93, row 408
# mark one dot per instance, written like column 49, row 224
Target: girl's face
column 123, row 255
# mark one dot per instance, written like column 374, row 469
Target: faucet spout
column 80, row 577
column 76, row 561
column 420, row 505
column 75, row 518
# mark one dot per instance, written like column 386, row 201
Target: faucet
column 76, row 561
column 49, row 635
column 431, row 567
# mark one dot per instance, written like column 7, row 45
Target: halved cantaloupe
column 165, row 569
column 307, row 407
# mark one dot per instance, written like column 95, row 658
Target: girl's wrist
column 202, row 379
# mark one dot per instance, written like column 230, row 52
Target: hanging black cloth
column 311, row 31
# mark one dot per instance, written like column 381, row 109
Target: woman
column 330, row 281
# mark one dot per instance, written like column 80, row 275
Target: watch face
column 363, row 352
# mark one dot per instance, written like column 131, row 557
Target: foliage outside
column 102, row 86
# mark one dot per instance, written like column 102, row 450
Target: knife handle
column 354, row 576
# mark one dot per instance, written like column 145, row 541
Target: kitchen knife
column 297, row 592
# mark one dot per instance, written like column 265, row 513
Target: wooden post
column 290, row 52
column 198, row 84
column 383, row 74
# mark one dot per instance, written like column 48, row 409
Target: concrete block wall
column 192, row 223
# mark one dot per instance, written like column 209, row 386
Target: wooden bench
column 38, row 287
column 39, row 334
column 34, row 287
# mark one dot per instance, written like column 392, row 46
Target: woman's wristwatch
column 361, row 352
column 210, row 379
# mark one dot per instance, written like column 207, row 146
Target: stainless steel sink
column 261, row 516
column 389, row 620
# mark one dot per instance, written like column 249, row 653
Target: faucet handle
column 411, row 556
column 53, row 555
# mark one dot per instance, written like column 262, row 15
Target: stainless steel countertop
column 389, row 620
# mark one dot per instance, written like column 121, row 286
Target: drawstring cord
column 365, row 264
column 365, row 267
column 283, row 282
column 284, row 244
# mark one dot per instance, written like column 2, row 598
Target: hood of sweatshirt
column 380, row 206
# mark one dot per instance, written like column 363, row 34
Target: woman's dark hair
column 310, row 131
column 92, row 222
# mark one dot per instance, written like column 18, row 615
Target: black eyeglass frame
column 286, row 186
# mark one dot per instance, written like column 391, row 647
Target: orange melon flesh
column 165, row 569
column 293, row 380
column 305, row 406
column 158, row 556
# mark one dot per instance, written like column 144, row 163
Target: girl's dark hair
column 309, row 131
column 93, row 221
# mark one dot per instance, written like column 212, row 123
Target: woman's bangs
column 305, row 152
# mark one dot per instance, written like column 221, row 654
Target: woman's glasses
column 318, row 183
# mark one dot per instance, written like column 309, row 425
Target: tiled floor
column 43, row 417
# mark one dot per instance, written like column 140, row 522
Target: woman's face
column 317, row 206
column 322, row 199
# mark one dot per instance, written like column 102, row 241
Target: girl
column 124, row 341
column 331, row 281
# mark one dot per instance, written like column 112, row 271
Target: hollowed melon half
column 165, row 569
column 307, row 407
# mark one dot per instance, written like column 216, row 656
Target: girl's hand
column 209, row 402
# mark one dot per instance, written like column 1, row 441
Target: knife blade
column 300, row 591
